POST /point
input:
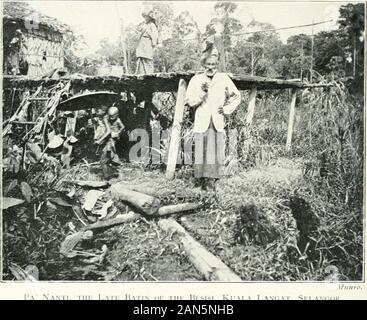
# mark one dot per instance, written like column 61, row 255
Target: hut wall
column 41, row 47
column 42, row 55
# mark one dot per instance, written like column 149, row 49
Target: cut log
column 211, row 267
column 124, row 218
column 143, row 203
column 178, row 208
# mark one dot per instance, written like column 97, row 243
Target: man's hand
column 220, row 110
column 205, row 86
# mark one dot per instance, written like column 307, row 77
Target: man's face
column 211, row 66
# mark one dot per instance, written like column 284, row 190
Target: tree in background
column 351, row 25
column 257, row 53
column 181, row 50
column 337, row 53
column 297, row 53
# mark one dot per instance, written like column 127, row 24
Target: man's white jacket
column 221, row 93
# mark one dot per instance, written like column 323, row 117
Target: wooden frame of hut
column 145, row 85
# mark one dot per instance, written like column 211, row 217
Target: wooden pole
column 312, row 45
column 252, row 60
column 354, row 57
column 211, row 267
column 176, row 130
column 251, row 106
column 249, row 117
column 291, row 119
column 123, row 45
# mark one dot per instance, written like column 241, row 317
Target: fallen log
column 143, row 203
column 124, row 218
column 178, row 208
column 91, row 184
column 211, row 267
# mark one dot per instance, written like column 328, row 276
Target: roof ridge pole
column 176, row 130
column 292, row 108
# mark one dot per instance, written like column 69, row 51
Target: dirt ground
column 141, row 251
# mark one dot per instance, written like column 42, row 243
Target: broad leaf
column 10, row 202
column 60, row 202
column 26, row 191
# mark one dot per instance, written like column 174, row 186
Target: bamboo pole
column 291, row 119
column 176, row 130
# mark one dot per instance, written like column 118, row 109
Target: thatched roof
column 20, row 11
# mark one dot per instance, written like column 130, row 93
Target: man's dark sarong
column 209, row 153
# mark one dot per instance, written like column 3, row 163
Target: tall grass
column 328, row 138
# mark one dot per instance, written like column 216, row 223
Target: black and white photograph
column 183, row 141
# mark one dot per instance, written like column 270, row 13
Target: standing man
column 147, row 41
column 213, row 95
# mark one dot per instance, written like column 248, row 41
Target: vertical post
column 312, row 44
column 123, row 46
column 354, row 56
column 176, row 130
column 291, row 119
column 251, row 106
column 252, row 60
column 249, row 117
column 69, row 130
column 301, row 75
column 148, row 106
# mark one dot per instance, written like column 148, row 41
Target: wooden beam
column 156, row 82
column 211, row 267
column 251, row 106
column 291, row 119
column 176, row 130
